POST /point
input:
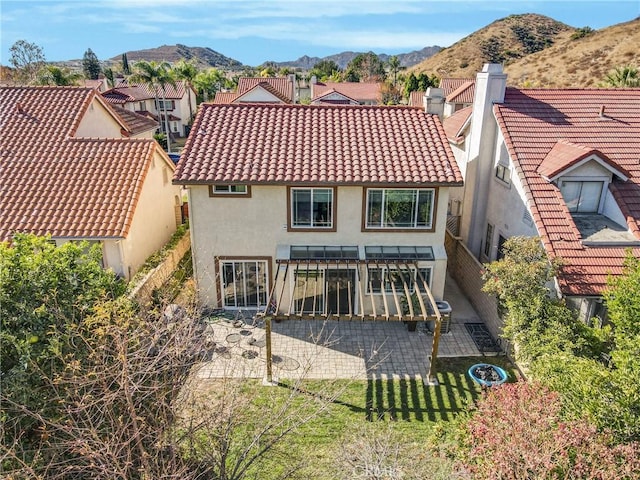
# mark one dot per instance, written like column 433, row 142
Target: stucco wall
column 254, row 227
column 154, row 220
column 98, row 122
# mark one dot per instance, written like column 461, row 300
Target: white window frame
column 261, row 290
column 313, row 222
column 383, row 212
column 582, row 180
column 229, row 189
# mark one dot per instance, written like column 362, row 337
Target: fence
column 143, row 291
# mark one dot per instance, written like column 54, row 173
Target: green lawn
column 402, row 411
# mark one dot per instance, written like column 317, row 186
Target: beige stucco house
column 71, row 170
column 318, row 211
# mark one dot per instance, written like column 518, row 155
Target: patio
column 327, row 349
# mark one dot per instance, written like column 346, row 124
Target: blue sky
column 253, row 32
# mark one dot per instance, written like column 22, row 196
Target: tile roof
column 51, row 182
column 342, row 100
column 282, row 85
column 565, row 154
column 532, row 122
column 269, row 88
column 224, row 97
column 454, row 124
column 416, row 98
column 463, row 94
column 171, row 92
column 122, row 95
column 361, row 91
column 137, row 123
column 307, row 144
column 448, row 84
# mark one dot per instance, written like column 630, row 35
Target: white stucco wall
column 250, row 227
column 259, row 95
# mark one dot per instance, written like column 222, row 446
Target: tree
column 156, row 76
column 52, row 75
column 324, row 69
column 45, row 293
column 390, row 94
column 365, row 67
column 424, row 81
column 535, row 321
column 187, row 72
column 517, row 431
column 410, row 85
column 208, row 82
column 110, row 76
column 91, row 65
column 125, row 65
column 394, row 68
column 27, row 58
column 623, row 77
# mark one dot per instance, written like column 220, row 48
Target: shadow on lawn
column 410, row 400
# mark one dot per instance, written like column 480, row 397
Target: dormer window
column 582, row 196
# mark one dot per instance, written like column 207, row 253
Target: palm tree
column 622, row 77
column 209, row 82
column 186, row 71
column 156, row 76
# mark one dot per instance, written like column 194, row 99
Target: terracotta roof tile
column 416, row 99
column 136, row 122
column 290, row 144
column 282, row 85
column 463, row 94
column 361, row 91
column 448, row 84
column 54, row 183
column 224, row 97
column 142, row 91
column 534, row 123
column 454, row 124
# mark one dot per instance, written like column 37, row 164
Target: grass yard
column 358, row 414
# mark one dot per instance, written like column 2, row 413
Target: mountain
column 502, row 41
column 204, row 56
column 582, row 61
column 537, row 51
column 342, row 59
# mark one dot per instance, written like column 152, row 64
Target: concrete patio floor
column 317, row 349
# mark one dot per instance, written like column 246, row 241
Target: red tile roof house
column 318, row 210
column 452, row 95
column 69, row 169
column 141, row 99
column 562, row 164
column 349, row 93
column 261, row 90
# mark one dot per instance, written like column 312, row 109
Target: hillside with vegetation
column 582, row 60
column 537, row 51
column 503, row 41
column 203, row 56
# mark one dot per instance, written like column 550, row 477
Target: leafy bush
column 581, row 33
column 517, row 432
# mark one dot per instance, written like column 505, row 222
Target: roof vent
column 19, row 108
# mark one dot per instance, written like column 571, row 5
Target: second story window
column 582, row 197
column 311, row 208
column 166, row 104
column 229, row 189
column 400, row 208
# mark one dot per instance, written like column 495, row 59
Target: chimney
column 491, row 84
column 294, row 90
column 434, row 101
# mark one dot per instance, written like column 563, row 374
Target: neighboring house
column 139, row 125
column 562, row 164
column 362, row 93
column 140, row 98
column 71, row 170
column 261, row 90
column 317, row 210
column 452, row 95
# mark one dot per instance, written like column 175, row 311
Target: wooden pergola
column 425, row 310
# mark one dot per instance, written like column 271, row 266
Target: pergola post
column 267, row 321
